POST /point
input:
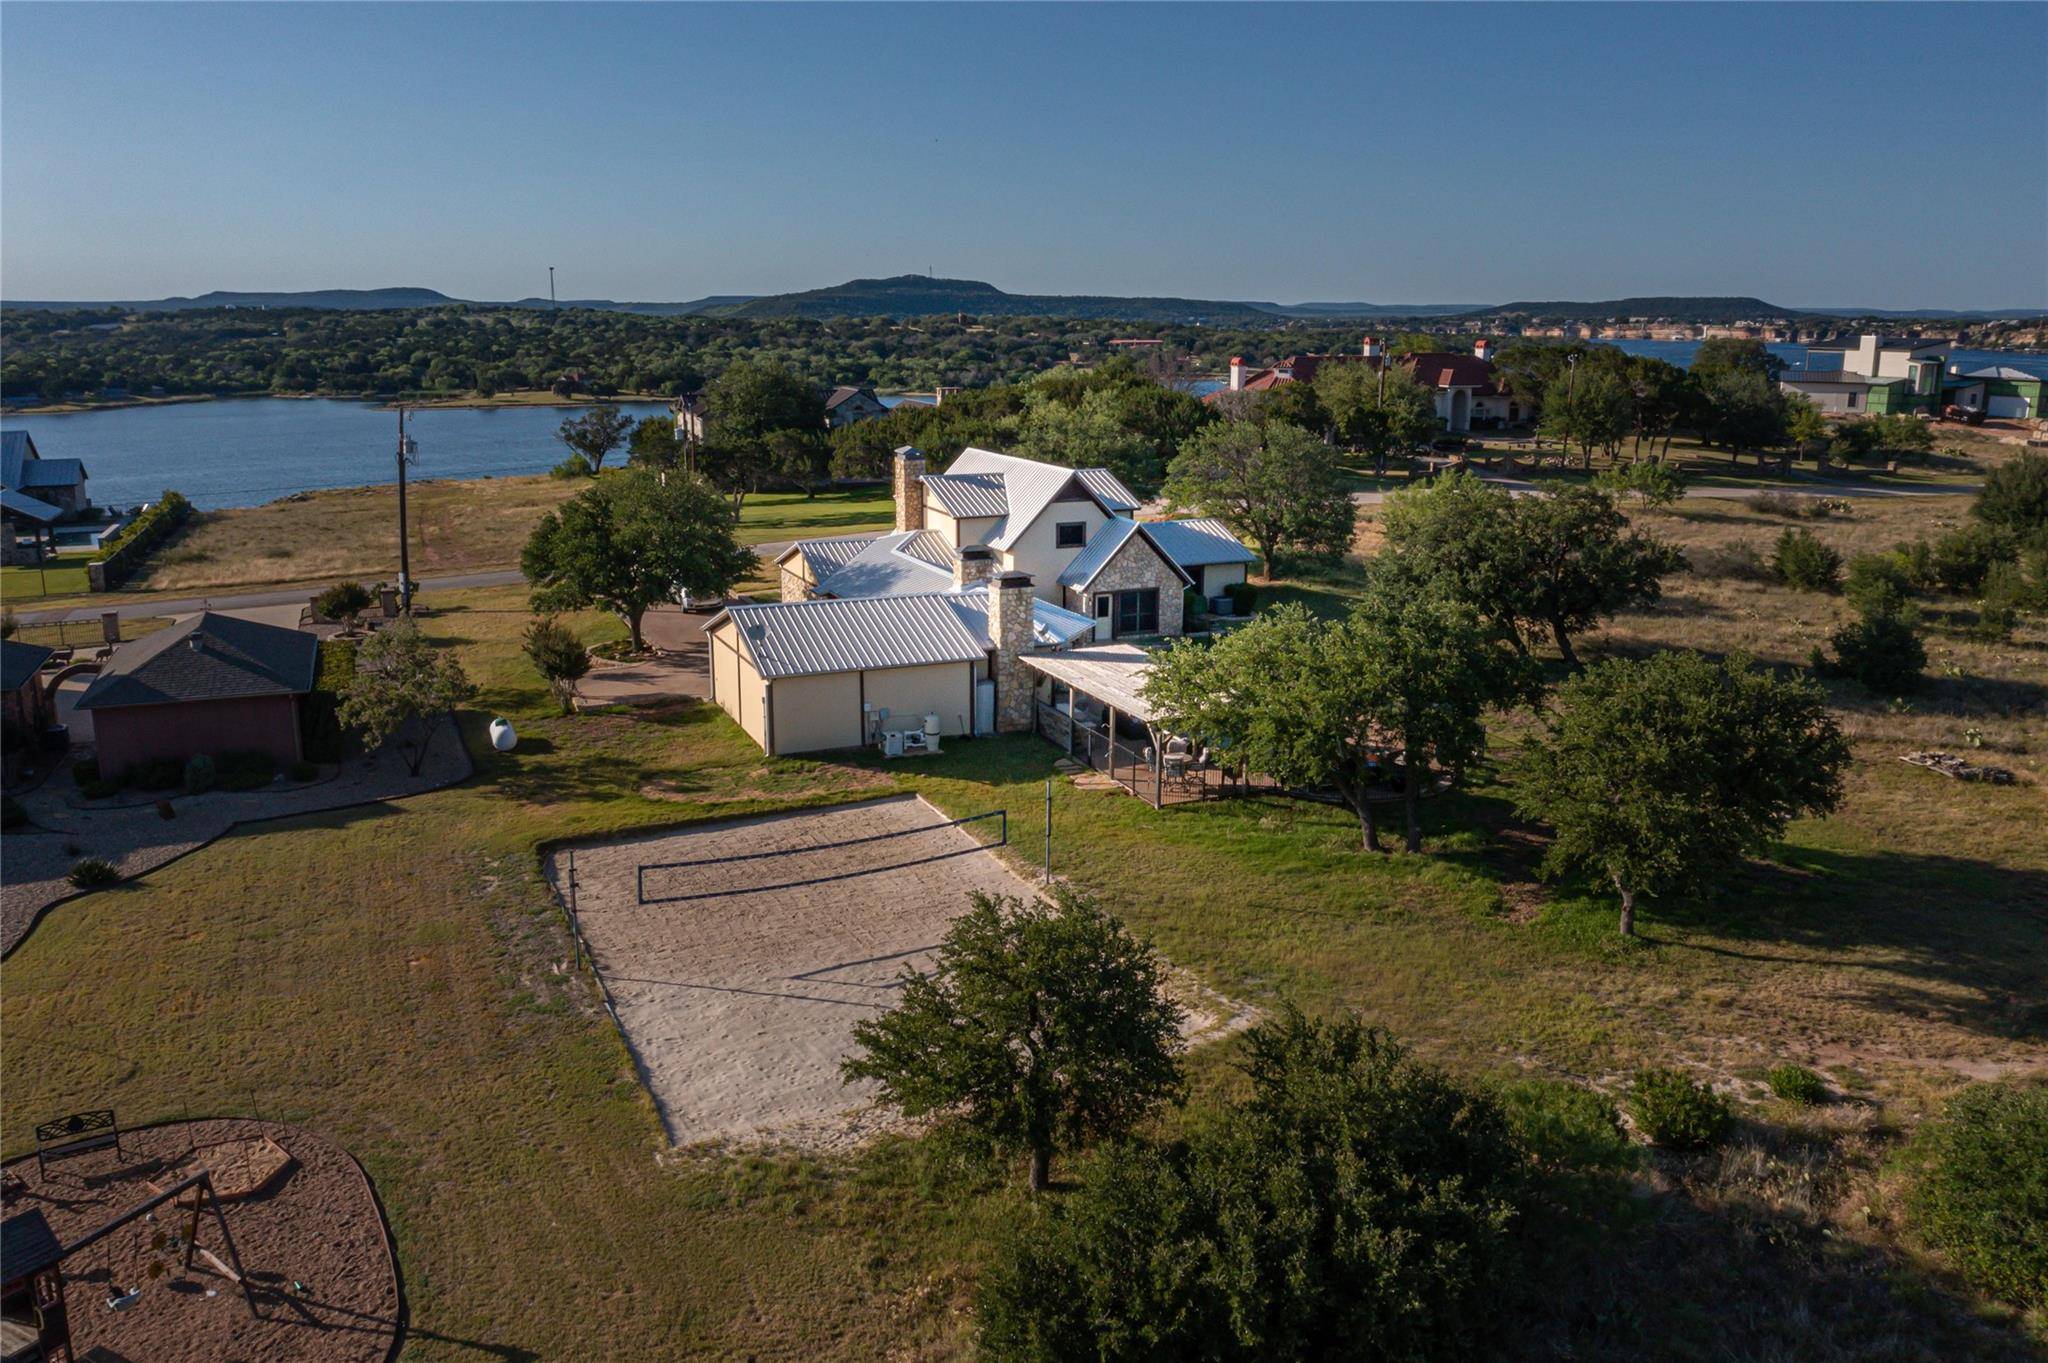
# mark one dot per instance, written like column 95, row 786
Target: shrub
column 559, row 656
column 85, row 770
column 118, row 556
column 246, row 770
column 199, row 775
column 165, row 773
column 1193, row 606
column 99, row 790
column 13, row 813
column 575, row 466
column 1672, row 1110
column 88, row 872
column 1357, row 1205
column 1243, row 597
column 1802, row 561
column 343, row 601
column 1960, row 560
column 1878, row 584
column 320, row 732
column 304, row 771
column 1650, row 484
column 2006, row 591
column 1566, row 1127
column 1796, row 1083
column 1740, row 561
column 1880, row 652
column 1982, row 1190
column 2015, row 494
column 1779, row 503
column 1917, row 557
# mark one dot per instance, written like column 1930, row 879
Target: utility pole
column 552, row 306
column 406, row 449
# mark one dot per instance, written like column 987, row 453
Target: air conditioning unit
column 1221, row 605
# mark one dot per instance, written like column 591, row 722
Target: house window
column 1070, row 534
column 1102, row 605
column 1850, row 400
column 1138, row 612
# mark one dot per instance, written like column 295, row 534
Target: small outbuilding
column 211, row 684
column 28, row 708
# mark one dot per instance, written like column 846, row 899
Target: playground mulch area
column 308, row 1233
column 738, row 984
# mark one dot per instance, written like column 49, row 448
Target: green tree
column 1288, row 695
column 594, row 435
column 1088, row 434
column 402, row 689
column 1662, row 396
column 2015, row 495
column 1660, row 772
column 1436, row 670
column 1595, row 410
column 1291, row 404
column 1744, row 410
column 1733, row 355
column 343, row 601
column 1356, row 1205
column 1380, row 411
column 1274, row 485
column 1043, row 1026
column 632, row 540
column 1805, row 427
column 654, row 444
column 759, row 418
column 559, row 656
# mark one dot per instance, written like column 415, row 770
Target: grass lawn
column 62, row 576
column 397, row 977
column 458, row 526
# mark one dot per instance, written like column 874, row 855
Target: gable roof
column 830, row 554
column 900, row 562
column 967, row 495
column 1108, row 489
column 20, row 662
column 847, row 392
column 206, row 657
column 1029, row 487
column 2004, row 371
column 853, row 634
column 1198, row 541
column 22, row 467
column 21, row 504
column 1449, row 369
column 1104, row 546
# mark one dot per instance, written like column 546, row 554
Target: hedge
column 118, row 557
column 320, row 735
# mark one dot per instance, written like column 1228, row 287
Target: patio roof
column 1111, row 673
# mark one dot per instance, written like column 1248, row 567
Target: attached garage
column 2017, row 408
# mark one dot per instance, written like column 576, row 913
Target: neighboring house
column 846, row 405
column 689, row 414
column 1997, row 390
column 931, row 616
column 35, row 493
column 58, row 482
column 1873, row 375
column 1468, row 396
column 210, row 684
column 26, row 705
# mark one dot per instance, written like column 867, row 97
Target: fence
column 782, row 856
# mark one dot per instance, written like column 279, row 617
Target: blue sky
column 1883, row 155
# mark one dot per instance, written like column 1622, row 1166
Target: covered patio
column 1090, row 702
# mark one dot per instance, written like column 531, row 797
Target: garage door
column 2010, row 407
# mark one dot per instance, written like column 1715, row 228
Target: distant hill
column 1680, row 309
column 369, row 300
column 1371, row 309
column 923, row 296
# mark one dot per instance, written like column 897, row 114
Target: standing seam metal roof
column 853, row 634
column 1196, row 541
column 967, row 495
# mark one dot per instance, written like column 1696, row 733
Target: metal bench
column 77, row 1134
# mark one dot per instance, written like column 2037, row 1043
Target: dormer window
column 1070, row 534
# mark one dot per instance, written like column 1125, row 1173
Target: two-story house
column 1870, row 375
column 995, row 557
column 35, row 493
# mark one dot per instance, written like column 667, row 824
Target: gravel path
column 130, row 834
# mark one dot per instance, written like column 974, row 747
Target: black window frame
column 1059, row 534
column 1132, row 613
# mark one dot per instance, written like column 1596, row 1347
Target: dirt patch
column 310, row 1240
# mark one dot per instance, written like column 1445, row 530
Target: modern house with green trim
column 1997, row 390
column 1874, row 375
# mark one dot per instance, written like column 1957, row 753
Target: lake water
column 247, row 451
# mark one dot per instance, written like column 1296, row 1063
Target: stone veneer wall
column 1132, row 568
column 909, row 491
column 1009, row 628
column 796, row 584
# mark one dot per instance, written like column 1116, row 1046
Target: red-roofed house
column 1467, row 394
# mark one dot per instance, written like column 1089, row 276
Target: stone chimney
column 1237, row 373
column 1482, row 349
column 974, row 564
column 909, row 490
column 1010, row 600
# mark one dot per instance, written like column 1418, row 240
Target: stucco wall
column 128, row 734
column 812, row 713
column 735, row 685
column 1216, row 576
column 910, row 693
column 1037, row 551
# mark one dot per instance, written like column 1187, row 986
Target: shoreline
column 522, row 398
